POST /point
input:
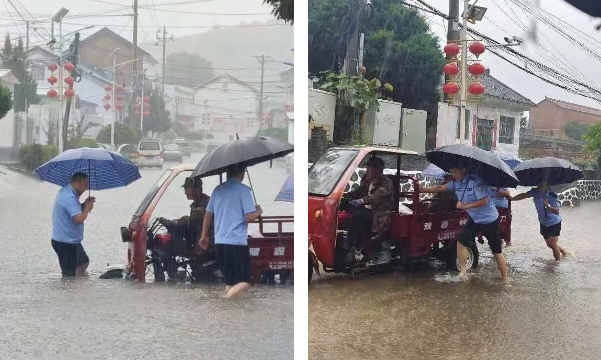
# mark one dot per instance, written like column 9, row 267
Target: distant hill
column 234, row 47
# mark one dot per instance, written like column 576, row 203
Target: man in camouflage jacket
column 372, row 204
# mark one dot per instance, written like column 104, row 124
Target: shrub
column 32, row 156
column 80, row 143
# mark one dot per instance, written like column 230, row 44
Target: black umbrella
column 245, row 152
column 551, row 170
column 484, row 164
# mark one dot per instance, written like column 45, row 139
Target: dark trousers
column 359, row 232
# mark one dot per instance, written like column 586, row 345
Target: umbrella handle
column 252, row 190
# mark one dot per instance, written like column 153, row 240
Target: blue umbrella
column 105, row 169
column 287, row 191
column 509, row 159
column 433, row 171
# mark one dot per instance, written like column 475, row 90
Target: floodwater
column 45, row 317
column 546, row 310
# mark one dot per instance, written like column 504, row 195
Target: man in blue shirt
column 499, row 197
column 230, row 209
column 547, row 206
column 474, row 197
column 68, row 216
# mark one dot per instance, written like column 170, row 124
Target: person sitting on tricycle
column 371, row 206
column 185, row 230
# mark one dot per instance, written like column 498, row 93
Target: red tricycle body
column 272, row 252
column 415, row 234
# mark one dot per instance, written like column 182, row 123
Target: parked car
column 172, row 153
column 150, row 153
column 184, row 147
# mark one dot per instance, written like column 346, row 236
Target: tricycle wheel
column 473, row 257
column 157, row 267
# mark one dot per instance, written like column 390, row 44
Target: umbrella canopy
column 106, row 169
column 476, row 161
column 509, row 159
column 433, row 171
column 287, row 191
column 246, row 152
column 551, row 170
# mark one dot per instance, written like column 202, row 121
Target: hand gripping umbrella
column 484, row 164
column 550, row 170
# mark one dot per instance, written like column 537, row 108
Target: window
column 468, row 116
column 153, row 145
column 484, row 134
column 325, row 173
column 506, row 130
column 38, row 73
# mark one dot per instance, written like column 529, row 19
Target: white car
column 150, row 152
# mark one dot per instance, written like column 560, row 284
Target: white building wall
column 446, row 132
column 7, row 124
column 225, row 108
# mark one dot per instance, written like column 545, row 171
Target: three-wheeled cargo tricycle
column 415, row 234
column 272, row 252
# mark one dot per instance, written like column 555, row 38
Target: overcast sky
column 181, row 17
column 503, row 18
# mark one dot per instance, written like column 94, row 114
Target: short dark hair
column 78, row 176
column 235, row 170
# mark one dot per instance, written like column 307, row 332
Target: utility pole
column 352, row 49
column 135, row 38
column 27, row 37
column 262, row 60
column 463, row 85
column 74, row 50
column 163, row 42
column 452, row 32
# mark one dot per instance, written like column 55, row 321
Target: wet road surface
column 546, row 310
column 44, row 317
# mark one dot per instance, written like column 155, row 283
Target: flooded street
column 545, row 310
column 45, row 317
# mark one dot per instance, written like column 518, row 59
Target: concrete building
column 226, row 106
column 550, row 117
column 491, row 123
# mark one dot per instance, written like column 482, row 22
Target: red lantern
column 52, row 67
column 69, row 93
column 146, row 114
column 146, row 99
column 52, row 80
column 477, row 69
column 138, row 106
column 450, row 69
column 137, row 112
column 119, row 88
column 451, row 49
column 450, row 88
column 52, row 93
column 69, row 80
column 69, row 67
column 108, row 88
column 107, row 106
column 476, row 89
column 119, row 97
column 107, row 97
column 119, row 106
column 477, row 48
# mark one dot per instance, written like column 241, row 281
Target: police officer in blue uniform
column 474, row 196
column 547, row 206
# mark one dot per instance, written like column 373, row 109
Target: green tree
column 124, row 134
column 187, row 69
column 193, row 136
column 13, row 58
column 6, row 101
column 282, row 9
column 575, row 130
column 400, row 49
column 159, row 120
column 77, row 131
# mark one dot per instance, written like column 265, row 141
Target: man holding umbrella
column 230, row 209
column 68, row 216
